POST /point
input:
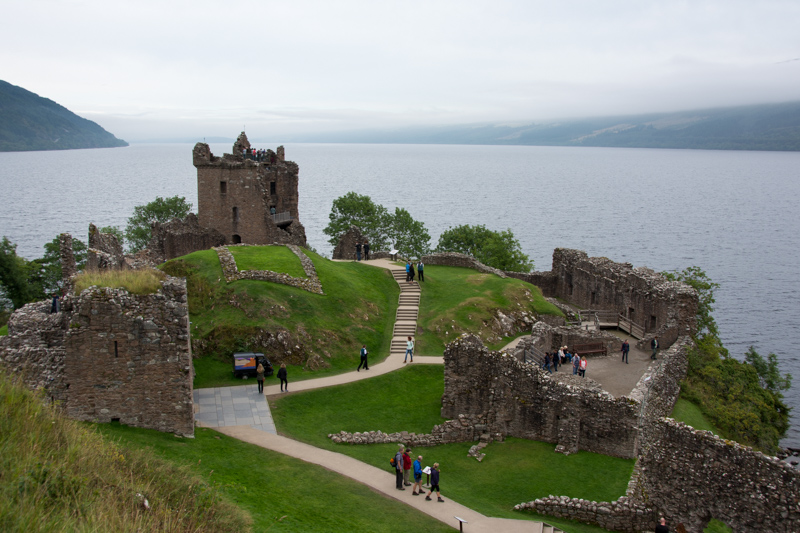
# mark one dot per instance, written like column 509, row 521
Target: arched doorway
column 237, row 239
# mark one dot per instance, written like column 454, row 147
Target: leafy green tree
column 14, row 274
column 699, row 280
column 138, row 231
column 768, row 373
column 354, row 209
column 498, row 249
column 410, row 236
column 44, row 273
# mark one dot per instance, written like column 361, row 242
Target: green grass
column 4, row 329
column 457, row 300
column 513, row 472
column 688, row 413
column 145, row 281
column 715, row 526
column 275, row 258
column 358, row 307
column 59, row 475
column 279, row 492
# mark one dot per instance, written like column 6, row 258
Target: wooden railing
column 626, row 324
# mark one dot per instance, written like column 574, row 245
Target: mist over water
column 733, row 214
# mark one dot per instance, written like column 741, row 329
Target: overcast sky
column 159, row 69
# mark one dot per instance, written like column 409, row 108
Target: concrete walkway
column 383, row 481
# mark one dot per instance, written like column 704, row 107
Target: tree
column 138, row 230
column 14, row 274
column 358, row 210
column 768, row 373
column 410, row 237
column 44, row 273
column 498, row 249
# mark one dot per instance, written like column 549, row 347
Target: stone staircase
column 405, row 324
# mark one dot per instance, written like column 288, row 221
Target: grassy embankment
column 515, row 471
column 459, row 300
column 4, row 329
column 146, row 281
column 358, row 307
column 58, row 475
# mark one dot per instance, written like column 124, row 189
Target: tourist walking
column 398, row 468
column 363, row 362
column 366, row 250
column 662, row 526
column 625, row 349
column 576, row 361
column 420, row 271
column 583, row 365
column 260, row 378
column 406, row 467
column 411, row 272
column 358, row 251
column 408, row 271
column 282, row 377
column 435, row 484
column 409, row 350
column 654, row 346
column 546, row 364
column 556, row 360
column 416, row 490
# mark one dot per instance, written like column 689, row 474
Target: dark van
column 246, row 363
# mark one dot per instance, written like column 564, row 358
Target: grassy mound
column 4, row 329
column 358, row 307
column 59, row 475
column 515, row 471
column 458, row 300
column 275, row 258
column 146, row 281
column 280, row 493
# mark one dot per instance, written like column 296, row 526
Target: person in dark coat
column 358, row 251
column 435, row 484
column 282, row 377
column 421, row 270
column 366, row 250
column 411, row 272
column 654, row 346
column 662, row 526
column 363, row 359
column 398, row 468
column 625, row 349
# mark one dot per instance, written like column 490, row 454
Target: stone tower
column 246, row 200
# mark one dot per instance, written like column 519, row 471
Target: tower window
column 223, row 187
column 272, row 187
column 235, row 214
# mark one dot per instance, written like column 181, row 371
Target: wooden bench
column 591, row 348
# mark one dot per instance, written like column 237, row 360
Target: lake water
column 731, row 213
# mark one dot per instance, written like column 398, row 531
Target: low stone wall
column 462, row 429
column 549, row 338
column 658, row 389
column 346, row 247
column 546, row 281
column 624, row 514
column 460, row 260
column 692, row 476
column 232, row 272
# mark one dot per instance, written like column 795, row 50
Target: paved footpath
column 242, row 413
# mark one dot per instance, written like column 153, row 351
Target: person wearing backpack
column 398, row 468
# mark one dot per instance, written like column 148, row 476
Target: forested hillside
column 758, row 127
column 30, row 122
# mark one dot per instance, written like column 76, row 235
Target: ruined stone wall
column 128, row 358
column 235, row 196
column 692, row 476
column 232, row 273
column 104, row 251
column 179, row 237
column 546, row 281
column 665, row 308
column 34, row 350
column 460, row 260
column 465, row 428
column 346, row 247
column 523, row 401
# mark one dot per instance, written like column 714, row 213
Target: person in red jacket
column 406, row 467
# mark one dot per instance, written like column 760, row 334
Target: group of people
column 412, row 271
column 403, row 468
column 281, row 376
column 365, row 247
column 255, row 155
column 563, row 357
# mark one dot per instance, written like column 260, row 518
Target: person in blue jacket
column 417, row 488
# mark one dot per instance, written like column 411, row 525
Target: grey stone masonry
column 232, row 272
column 104, row 252
column 346, row 247
column 179, row 237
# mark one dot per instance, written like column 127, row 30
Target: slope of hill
column 30, row 122
column 757, row 127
